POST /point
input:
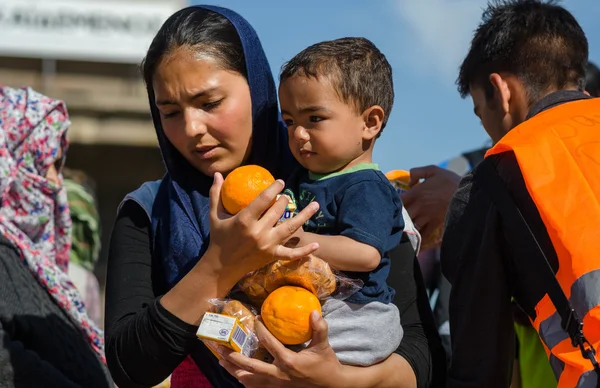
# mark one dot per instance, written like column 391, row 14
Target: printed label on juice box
column 289, row 212
column 227, row 331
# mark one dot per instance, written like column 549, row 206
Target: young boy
column 335, row 99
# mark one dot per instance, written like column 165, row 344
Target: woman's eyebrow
column 192, row 98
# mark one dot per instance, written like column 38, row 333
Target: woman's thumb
column 319, row 326
column 215, row 194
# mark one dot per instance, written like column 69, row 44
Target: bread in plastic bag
column 310, row 273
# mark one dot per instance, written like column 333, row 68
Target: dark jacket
column 477, row 260
column 39, row 345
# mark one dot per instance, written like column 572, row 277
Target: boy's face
column 325, row 134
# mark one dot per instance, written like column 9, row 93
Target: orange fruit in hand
column 401, row 175
column 286, row 313
column 242, row 185
column 399, row 179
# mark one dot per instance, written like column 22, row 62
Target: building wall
column 112, row 137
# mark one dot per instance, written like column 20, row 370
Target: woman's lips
column 206, row 152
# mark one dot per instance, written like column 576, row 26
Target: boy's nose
column 301, row 134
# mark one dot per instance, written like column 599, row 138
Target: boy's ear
column 373, row 118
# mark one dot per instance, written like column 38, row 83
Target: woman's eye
column 169, row 115
column 212, row 105
column 316, row 119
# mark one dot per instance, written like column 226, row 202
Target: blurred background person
column 46, row 336
column 85, row 240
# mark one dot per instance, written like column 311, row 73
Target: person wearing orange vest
column 525, row 224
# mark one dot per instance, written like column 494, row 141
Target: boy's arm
column 369, row 222
column 343, row 253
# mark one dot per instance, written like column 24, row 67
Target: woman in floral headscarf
column 46, row 337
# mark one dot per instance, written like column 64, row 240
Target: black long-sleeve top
column 145, row 342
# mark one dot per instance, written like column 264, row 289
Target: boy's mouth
column 306, row 154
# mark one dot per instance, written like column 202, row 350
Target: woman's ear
column 373, row 118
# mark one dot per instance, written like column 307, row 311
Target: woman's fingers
column 263, row 202
column 290, row 226
column 274, row 213
column 287, row 253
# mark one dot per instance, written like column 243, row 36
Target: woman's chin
column 209, row 169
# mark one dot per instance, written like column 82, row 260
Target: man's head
column 522, row 51
column 335, row 98
column 592, row 83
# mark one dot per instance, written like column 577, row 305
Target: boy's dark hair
column 360, row 73
column 538, row 41
column 592, row 84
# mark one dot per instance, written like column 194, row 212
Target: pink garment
column 188, row 375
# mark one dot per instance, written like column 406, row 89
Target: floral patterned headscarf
column 34, row 212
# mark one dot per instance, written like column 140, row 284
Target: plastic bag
column 246, row 316
column 310, row 273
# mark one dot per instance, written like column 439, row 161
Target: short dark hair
column 592, row 85
column 201, row 30
column 538, row 41
column 360, row 73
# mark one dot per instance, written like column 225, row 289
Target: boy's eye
column 288, row 122
column 315, row 119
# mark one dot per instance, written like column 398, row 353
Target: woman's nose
column 194, row 123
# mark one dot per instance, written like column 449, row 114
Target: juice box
column 227, row 331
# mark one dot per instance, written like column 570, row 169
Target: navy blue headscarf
column 180, row 214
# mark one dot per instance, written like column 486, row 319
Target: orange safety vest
column 558, row 152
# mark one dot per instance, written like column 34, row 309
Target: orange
column 400, row 175
column 286, row 313
column 242, row 185
column 399, row 179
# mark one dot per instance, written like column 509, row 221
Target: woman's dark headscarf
column 180, row 213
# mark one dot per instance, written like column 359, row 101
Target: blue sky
column 424, row 40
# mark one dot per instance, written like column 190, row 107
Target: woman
column 47, row 338
column 213, row 102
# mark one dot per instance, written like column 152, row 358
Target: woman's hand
column 248, row 240
column 315, row 366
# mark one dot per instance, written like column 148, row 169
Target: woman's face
column 205, row 111
column 54, row 170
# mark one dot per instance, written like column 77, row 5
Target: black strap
column 522, row 238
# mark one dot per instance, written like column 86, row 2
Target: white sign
column 103, row 31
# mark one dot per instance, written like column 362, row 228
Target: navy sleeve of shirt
column 370, row 212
